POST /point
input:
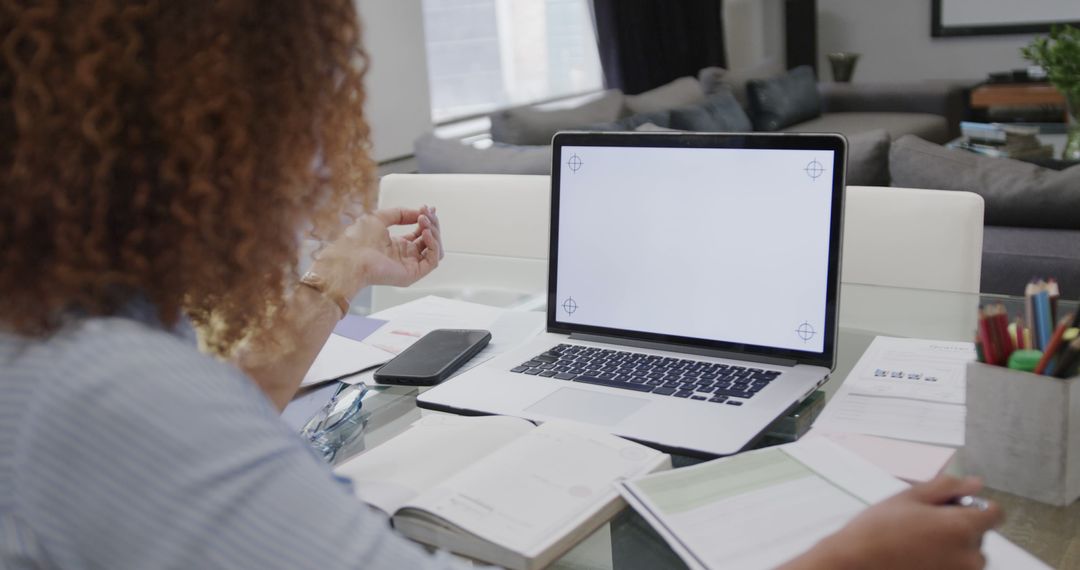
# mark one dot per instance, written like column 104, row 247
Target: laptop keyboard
column 661, row 375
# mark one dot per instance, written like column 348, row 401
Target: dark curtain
column 647, row 43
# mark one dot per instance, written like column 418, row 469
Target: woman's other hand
column 366, row 253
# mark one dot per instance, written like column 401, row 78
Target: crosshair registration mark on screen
column 814, row 169
column 569, row 305
column 574, row 163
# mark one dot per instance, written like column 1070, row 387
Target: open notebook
column 759, row 509
column 499, row 489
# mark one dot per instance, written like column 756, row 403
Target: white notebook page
column 434, row 448
column 528, row 493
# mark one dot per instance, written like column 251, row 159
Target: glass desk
column 1050, row 533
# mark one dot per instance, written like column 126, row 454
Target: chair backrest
column 494, row 229
column 921, row 239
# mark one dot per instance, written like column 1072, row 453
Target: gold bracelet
column 318, row 283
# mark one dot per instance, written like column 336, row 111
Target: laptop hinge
column 701, row 351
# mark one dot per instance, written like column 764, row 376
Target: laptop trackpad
column 587, row 407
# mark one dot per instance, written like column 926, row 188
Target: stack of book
column 1000, row 140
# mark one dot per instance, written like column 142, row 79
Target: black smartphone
column 433, row 358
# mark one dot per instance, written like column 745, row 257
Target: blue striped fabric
column 121, row 446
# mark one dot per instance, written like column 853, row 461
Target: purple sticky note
column 357, row 327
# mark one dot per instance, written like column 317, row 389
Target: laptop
column 692, row 289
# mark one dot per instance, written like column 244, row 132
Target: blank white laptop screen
column 720, row 244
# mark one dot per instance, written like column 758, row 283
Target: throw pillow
column 435, row 155
column 1016, row 193
column 531, row 126
column 682, row 91
column 719, row 113
column 785, row 100
column 868, row 158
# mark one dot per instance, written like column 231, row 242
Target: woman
column 161, row 162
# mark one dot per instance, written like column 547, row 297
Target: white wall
column 754, row 34
column 398, row 106
column 893, row 37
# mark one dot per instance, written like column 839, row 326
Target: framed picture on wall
column 993, row 17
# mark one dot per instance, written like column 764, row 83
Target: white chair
column 921, row 239
column 494, row 230
column 915, row 241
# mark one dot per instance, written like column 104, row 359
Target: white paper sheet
column 760, row 509
column 911, row 420
column 341, row 356
column 509, row 330
column 906, row 460
column 912, row 368
column 412, row 320
column 908, row 389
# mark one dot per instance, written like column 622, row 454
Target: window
column 487, row 54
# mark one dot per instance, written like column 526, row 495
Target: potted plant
column 1059, row 55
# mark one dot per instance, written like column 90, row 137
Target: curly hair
column 173, row 151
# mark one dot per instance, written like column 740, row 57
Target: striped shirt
column 121, row 446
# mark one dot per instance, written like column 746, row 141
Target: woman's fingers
column 397, row 216
column 429, row 224
column 430, row 251
column 944, row 489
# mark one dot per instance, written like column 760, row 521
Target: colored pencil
column 1044, row 327
column 1001, row 320
column 1029, row 307
column 1044, row 365
column 987, row 341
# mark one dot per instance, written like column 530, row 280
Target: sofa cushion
column 929, row 127
column 868, row 158
column 435, row 155
column 1012, row 256
column 683, row 91
column 719, row 113
column 658, row 118
column 1016, row 193
column 784, row 100
column 715, row 78
column 654, row 128
column 712, row 79
column 531, row 126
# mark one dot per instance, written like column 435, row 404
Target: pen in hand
column 970, row 501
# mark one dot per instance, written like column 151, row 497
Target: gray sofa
column 1032, row 214
column 870, row 115
column 1032, row 226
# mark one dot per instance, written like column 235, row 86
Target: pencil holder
column 1023, row 433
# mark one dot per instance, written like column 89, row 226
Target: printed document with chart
column 904, row 388
column 759, row 509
